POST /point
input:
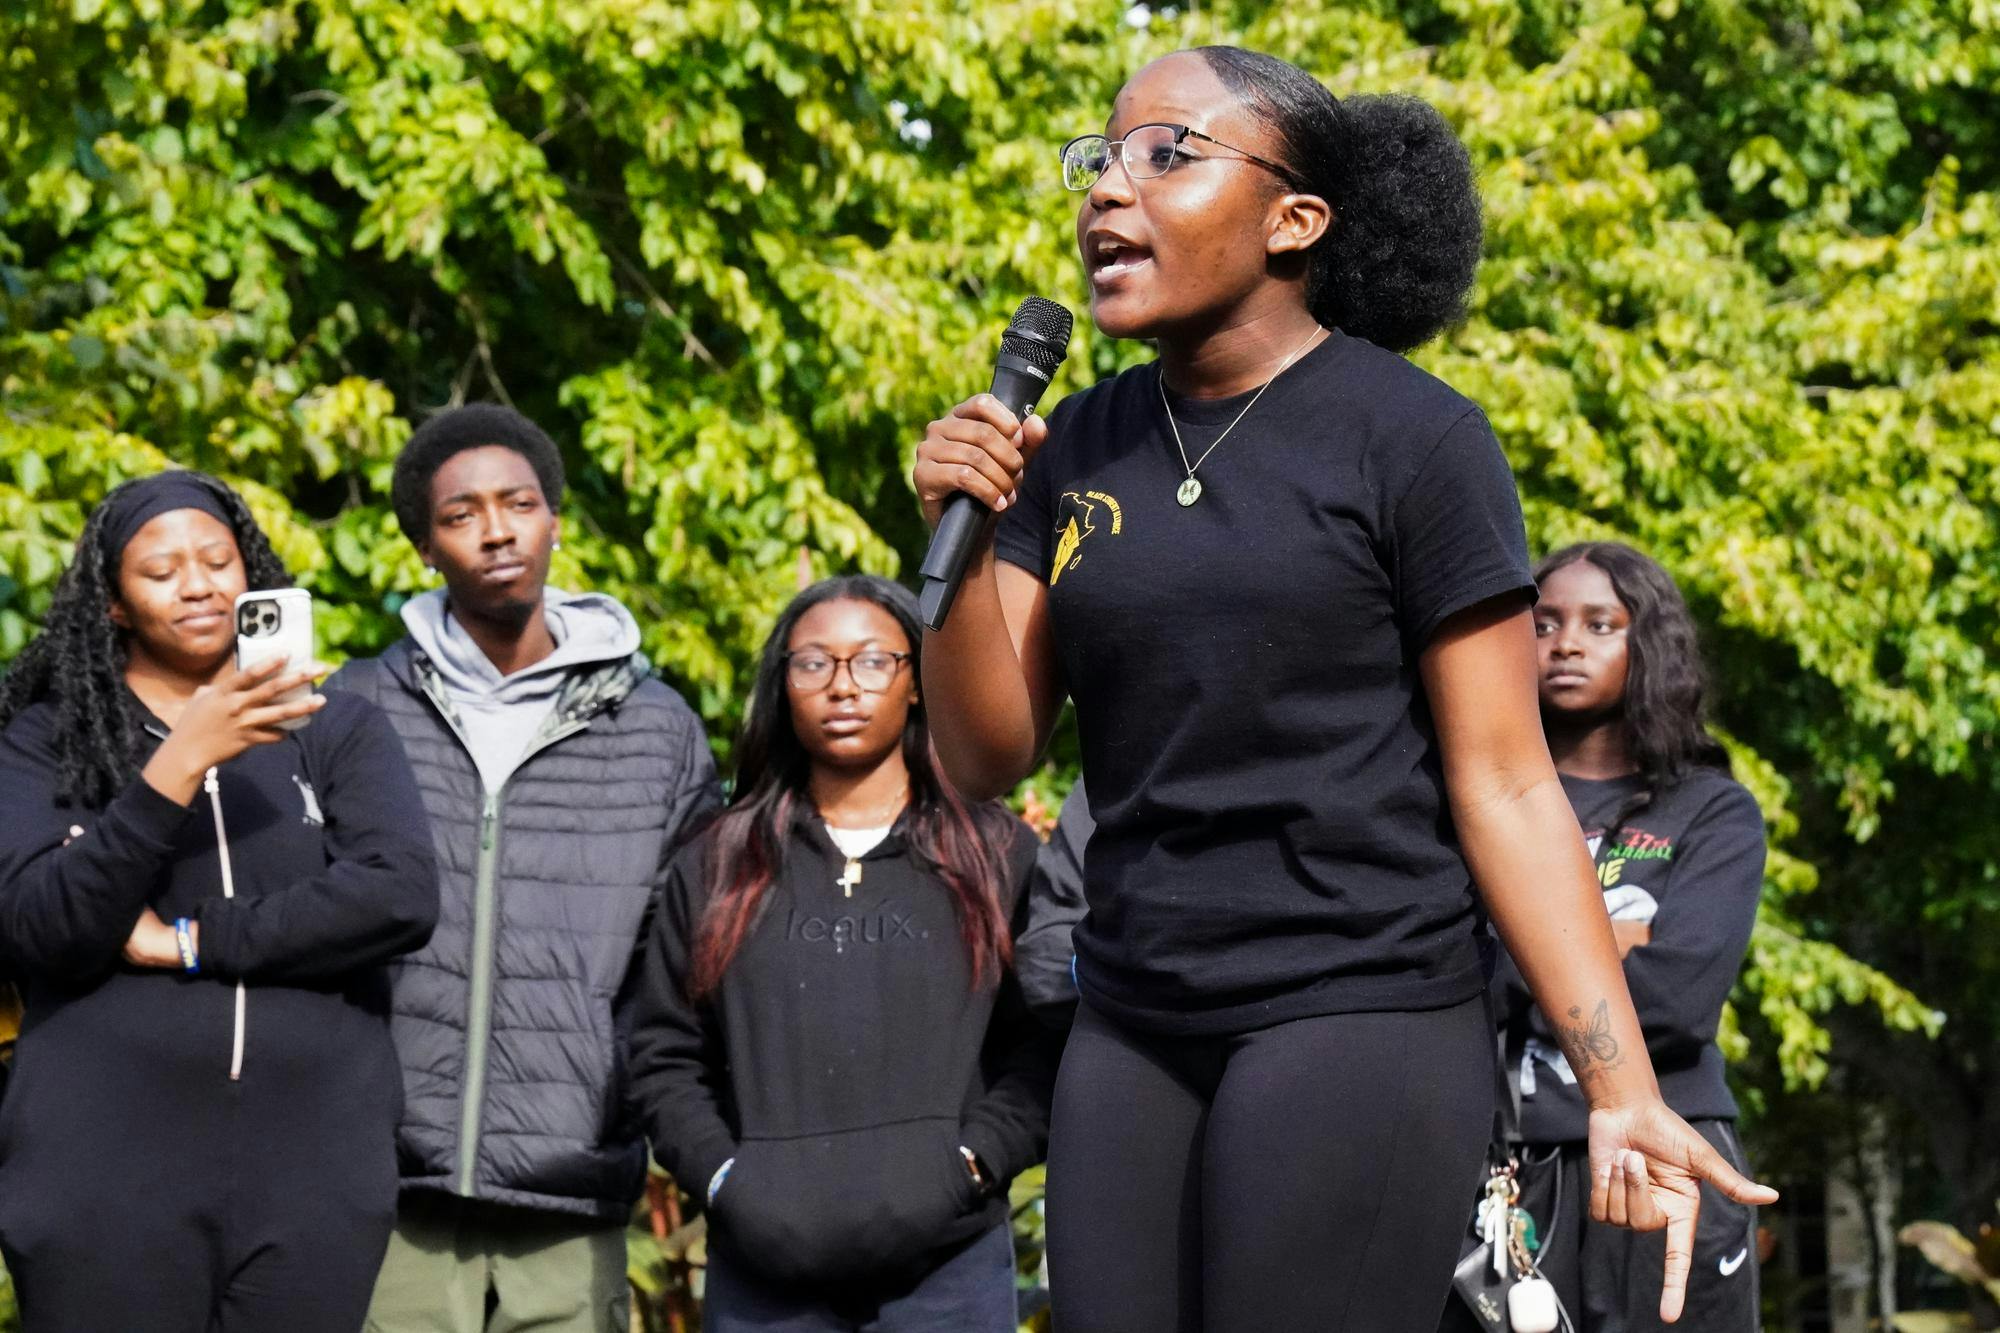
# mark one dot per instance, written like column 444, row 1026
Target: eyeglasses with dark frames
column 1147, row 151
column 873, row 669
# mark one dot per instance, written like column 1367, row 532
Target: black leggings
column 283, row 1236
column 1311, row 1177
column 142, row 1190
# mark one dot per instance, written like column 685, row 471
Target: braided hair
column 78, row 660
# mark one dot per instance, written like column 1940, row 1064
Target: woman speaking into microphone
column 1282, row 574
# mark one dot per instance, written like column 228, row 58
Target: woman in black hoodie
column 831, row 1047
column 198, row 1134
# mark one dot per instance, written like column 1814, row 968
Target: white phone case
column 276, row 623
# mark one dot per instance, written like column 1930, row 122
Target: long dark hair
column 963, row 845
column 78, row 659
column 1398, row 262
column 1666, row 687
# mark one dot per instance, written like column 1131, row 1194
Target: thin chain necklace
column 889, row 812
column 850, row 873
column 1190, row 490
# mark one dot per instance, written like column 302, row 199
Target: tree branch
column 691, row 346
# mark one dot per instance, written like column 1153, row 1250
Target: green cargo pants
column 459, row 1266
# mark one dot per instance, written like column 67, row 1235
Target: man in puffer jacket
column 559, row 777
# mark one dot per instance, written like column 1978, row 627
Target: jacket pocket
column 845, row 1205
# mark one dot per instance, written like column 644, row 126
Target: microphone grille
column 1039, row 333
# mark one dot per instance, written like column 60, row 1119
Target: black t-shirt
column 1690, row 864
column 1273, row 840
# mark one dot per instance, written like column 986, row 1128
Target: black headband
column 144, row 500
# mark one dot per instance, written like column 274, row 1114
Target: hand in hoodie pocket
column 845, row 1205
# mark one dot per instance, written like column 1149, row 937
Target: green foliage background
column 1741, row 306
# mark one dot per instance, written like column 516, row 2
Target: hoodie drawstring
column 214, row 790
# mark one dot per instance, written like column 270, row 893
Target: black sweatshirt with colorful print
column 1689, row 863
column 841, row 1064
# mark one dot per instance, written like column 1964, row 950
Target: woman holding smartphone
column 831, row 1046
column 1282, row 574
column 195, row 901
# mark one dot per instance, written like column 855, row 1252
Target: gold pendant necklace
column 1190, row 490
column 850, row 874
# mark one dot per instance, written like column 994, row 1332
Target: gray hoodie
column 498, row 715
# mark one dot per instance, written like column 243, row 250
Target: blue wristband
column 721, row 1174
column 189, row 963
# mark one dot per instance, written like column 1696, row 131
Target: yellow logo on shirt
column 1077, row 517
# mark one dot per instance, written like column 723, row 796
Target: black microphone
column 1034, row 345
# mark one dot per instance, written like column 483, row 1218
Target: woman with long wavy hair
column 830, row 1045
column 1679, row 851
column 197, row 894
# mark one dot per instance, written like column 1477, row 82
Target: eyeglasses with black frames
column 1146, row 151
column 874, row 670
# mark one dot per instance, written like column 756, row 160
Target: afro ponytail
column 1398, row 262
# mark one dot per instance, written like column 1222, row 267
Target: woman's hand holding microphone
column 980, row 449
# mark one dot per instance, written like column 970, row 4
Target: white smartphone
column 277, row 623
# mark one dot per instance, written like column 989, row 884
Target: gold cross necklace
column 850, row 874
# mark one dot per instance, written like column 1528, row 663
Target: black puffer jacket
column 510, row 1025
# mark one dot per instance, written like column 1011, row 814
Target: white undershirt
column 855, row 843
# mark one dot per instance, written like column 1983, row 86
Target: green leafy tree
column 1740, row 306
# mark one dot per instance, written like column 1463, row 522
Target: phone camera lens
column 258, row 620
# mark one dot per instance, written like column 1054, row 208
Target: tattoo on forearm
column 1589, row 1044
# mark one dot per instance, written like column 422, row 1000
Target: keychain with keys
column 1495, row 1217
column 1521, row 1241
